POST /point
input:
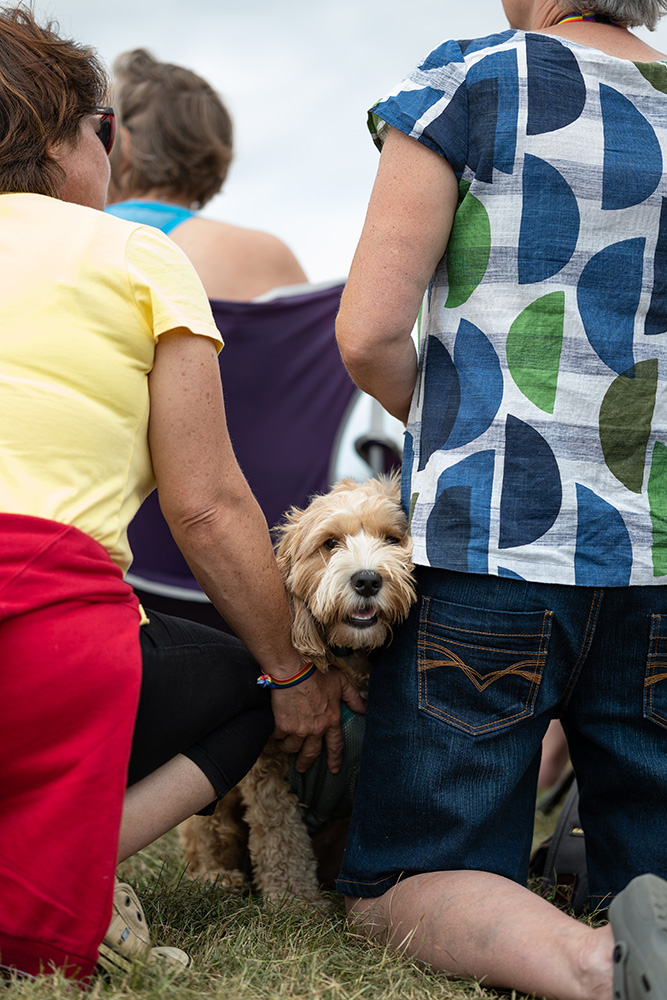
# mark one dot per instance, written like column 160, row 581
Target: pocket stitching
column 540, row 660
column 651, row 678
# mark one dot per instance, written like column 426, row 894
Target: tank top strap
column 159, row 214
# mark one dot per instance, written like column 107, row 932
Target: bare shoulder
column 265, row 247
column 234, row 262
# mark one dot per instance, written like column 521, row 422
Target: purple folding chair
column 286, row 396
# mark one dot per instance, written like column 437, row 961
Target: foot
column 128, row 938
column 638, row 917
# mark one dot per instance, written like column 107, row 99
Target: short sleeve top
column 537, row 440
column 84, row 299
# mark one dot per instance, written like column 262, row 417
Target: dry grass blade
column 245, row 950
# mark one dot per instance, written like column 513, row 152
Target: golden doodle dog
column 346, row 563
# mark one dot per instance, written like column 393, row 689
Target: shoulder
column 236, row 262
column 269, row 247
column 83, row 223
column 431, row 104
column 226, row 236
column 461, row 52
column 101, row 240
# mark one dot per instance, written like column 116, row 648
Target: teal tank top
column 151, row 213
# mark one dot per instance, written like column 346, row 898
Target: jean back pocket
column 655, row 680
column 480, row 670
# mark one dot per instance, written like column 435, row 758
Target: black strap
column 560, row 861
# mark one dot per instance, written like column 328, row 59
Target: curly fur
column 355, row 528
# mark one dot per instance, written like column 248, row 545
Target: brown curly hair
column 48, row 84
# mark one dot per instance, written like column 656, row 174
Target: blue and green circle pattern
column 537, row 442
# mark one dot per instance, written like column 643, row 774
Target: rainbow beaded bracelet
column 267, row 681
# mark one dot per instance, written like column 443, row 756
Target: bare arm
column 222, row 533
column 407, row 227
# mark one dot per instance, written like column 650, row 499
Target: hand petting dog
column 347, row 567
column 321, row 694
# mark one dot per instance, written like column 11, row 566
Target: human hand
column 309, row 713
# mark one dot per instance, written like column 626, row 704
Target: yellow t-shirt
column 84, row 297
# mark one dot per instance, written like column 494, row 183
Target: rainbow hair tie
column 267, row 681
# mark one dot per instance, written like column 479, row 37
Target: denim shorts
column 459, row 703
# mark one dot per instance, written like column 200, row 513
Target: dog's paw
column 232, row 881
column 289, row 901
column 322, row 903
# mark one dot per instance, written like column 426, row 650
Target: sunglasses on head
column 107, row 131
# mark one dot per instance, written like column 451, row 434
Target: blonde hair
column 629, row 13
column 181, row 131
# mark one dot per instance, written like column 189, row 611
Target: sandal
column 128, row 938
column 638, row 916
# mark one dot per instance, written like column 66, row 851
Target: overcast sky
column 297, row 77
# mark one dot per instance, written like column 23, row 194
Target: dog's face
column 346, row 563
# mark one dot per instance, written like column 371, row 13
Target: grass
column 244, row 950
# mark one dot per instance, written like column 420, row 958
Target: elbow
column 354, row 349
column 194, row 527
column 342, row 336
column 197, row 523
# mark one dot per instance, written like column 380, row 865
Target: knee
column 367, row 916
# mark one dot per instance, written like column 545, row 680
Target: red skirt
column 70, row 673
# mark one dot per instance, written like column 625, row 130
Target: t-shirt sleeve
column 166, row 288
column 430, row 105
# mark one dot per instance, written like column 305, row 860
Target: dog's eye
column 331, row 543
column 392, row 540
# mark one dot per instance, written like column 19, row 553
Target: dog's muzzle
column 366, row 582
column 363, row 617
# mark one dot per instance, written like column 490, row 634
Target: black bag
column 559, row 862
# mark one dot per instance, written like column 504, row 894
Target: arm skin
column 222, row 533
column 407, row 227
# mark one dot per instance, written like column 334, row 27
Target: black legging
column 199, row 697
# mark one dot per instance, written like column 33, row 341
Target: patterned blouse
column 537, row 440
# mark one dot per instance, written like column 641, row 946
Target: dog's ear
column 394, row 484
column 305, row 636
column 287, row 538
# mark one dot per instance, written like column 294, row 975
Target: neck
column 576, row 17
column 548, row 15
column 597, row 18
column 157, row 195
column 340, row 651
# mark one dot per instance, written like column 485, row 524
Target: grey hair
column 629, row 13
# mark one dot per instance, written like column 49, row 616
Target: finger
column 335, row 746
column 281, row 733
column 352, row 698
column 291, row 744
column 308, row 754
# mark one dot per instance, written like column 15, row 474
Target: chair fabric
column 286, row 394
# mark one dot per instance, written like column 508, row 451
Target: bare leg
column 554, row 755
column 485, row 926
column 160, row 801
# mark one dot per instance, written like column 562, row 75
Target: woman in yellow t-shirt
column 109, row 383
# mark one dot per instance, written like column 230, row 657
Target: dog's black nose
column 366, row 582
